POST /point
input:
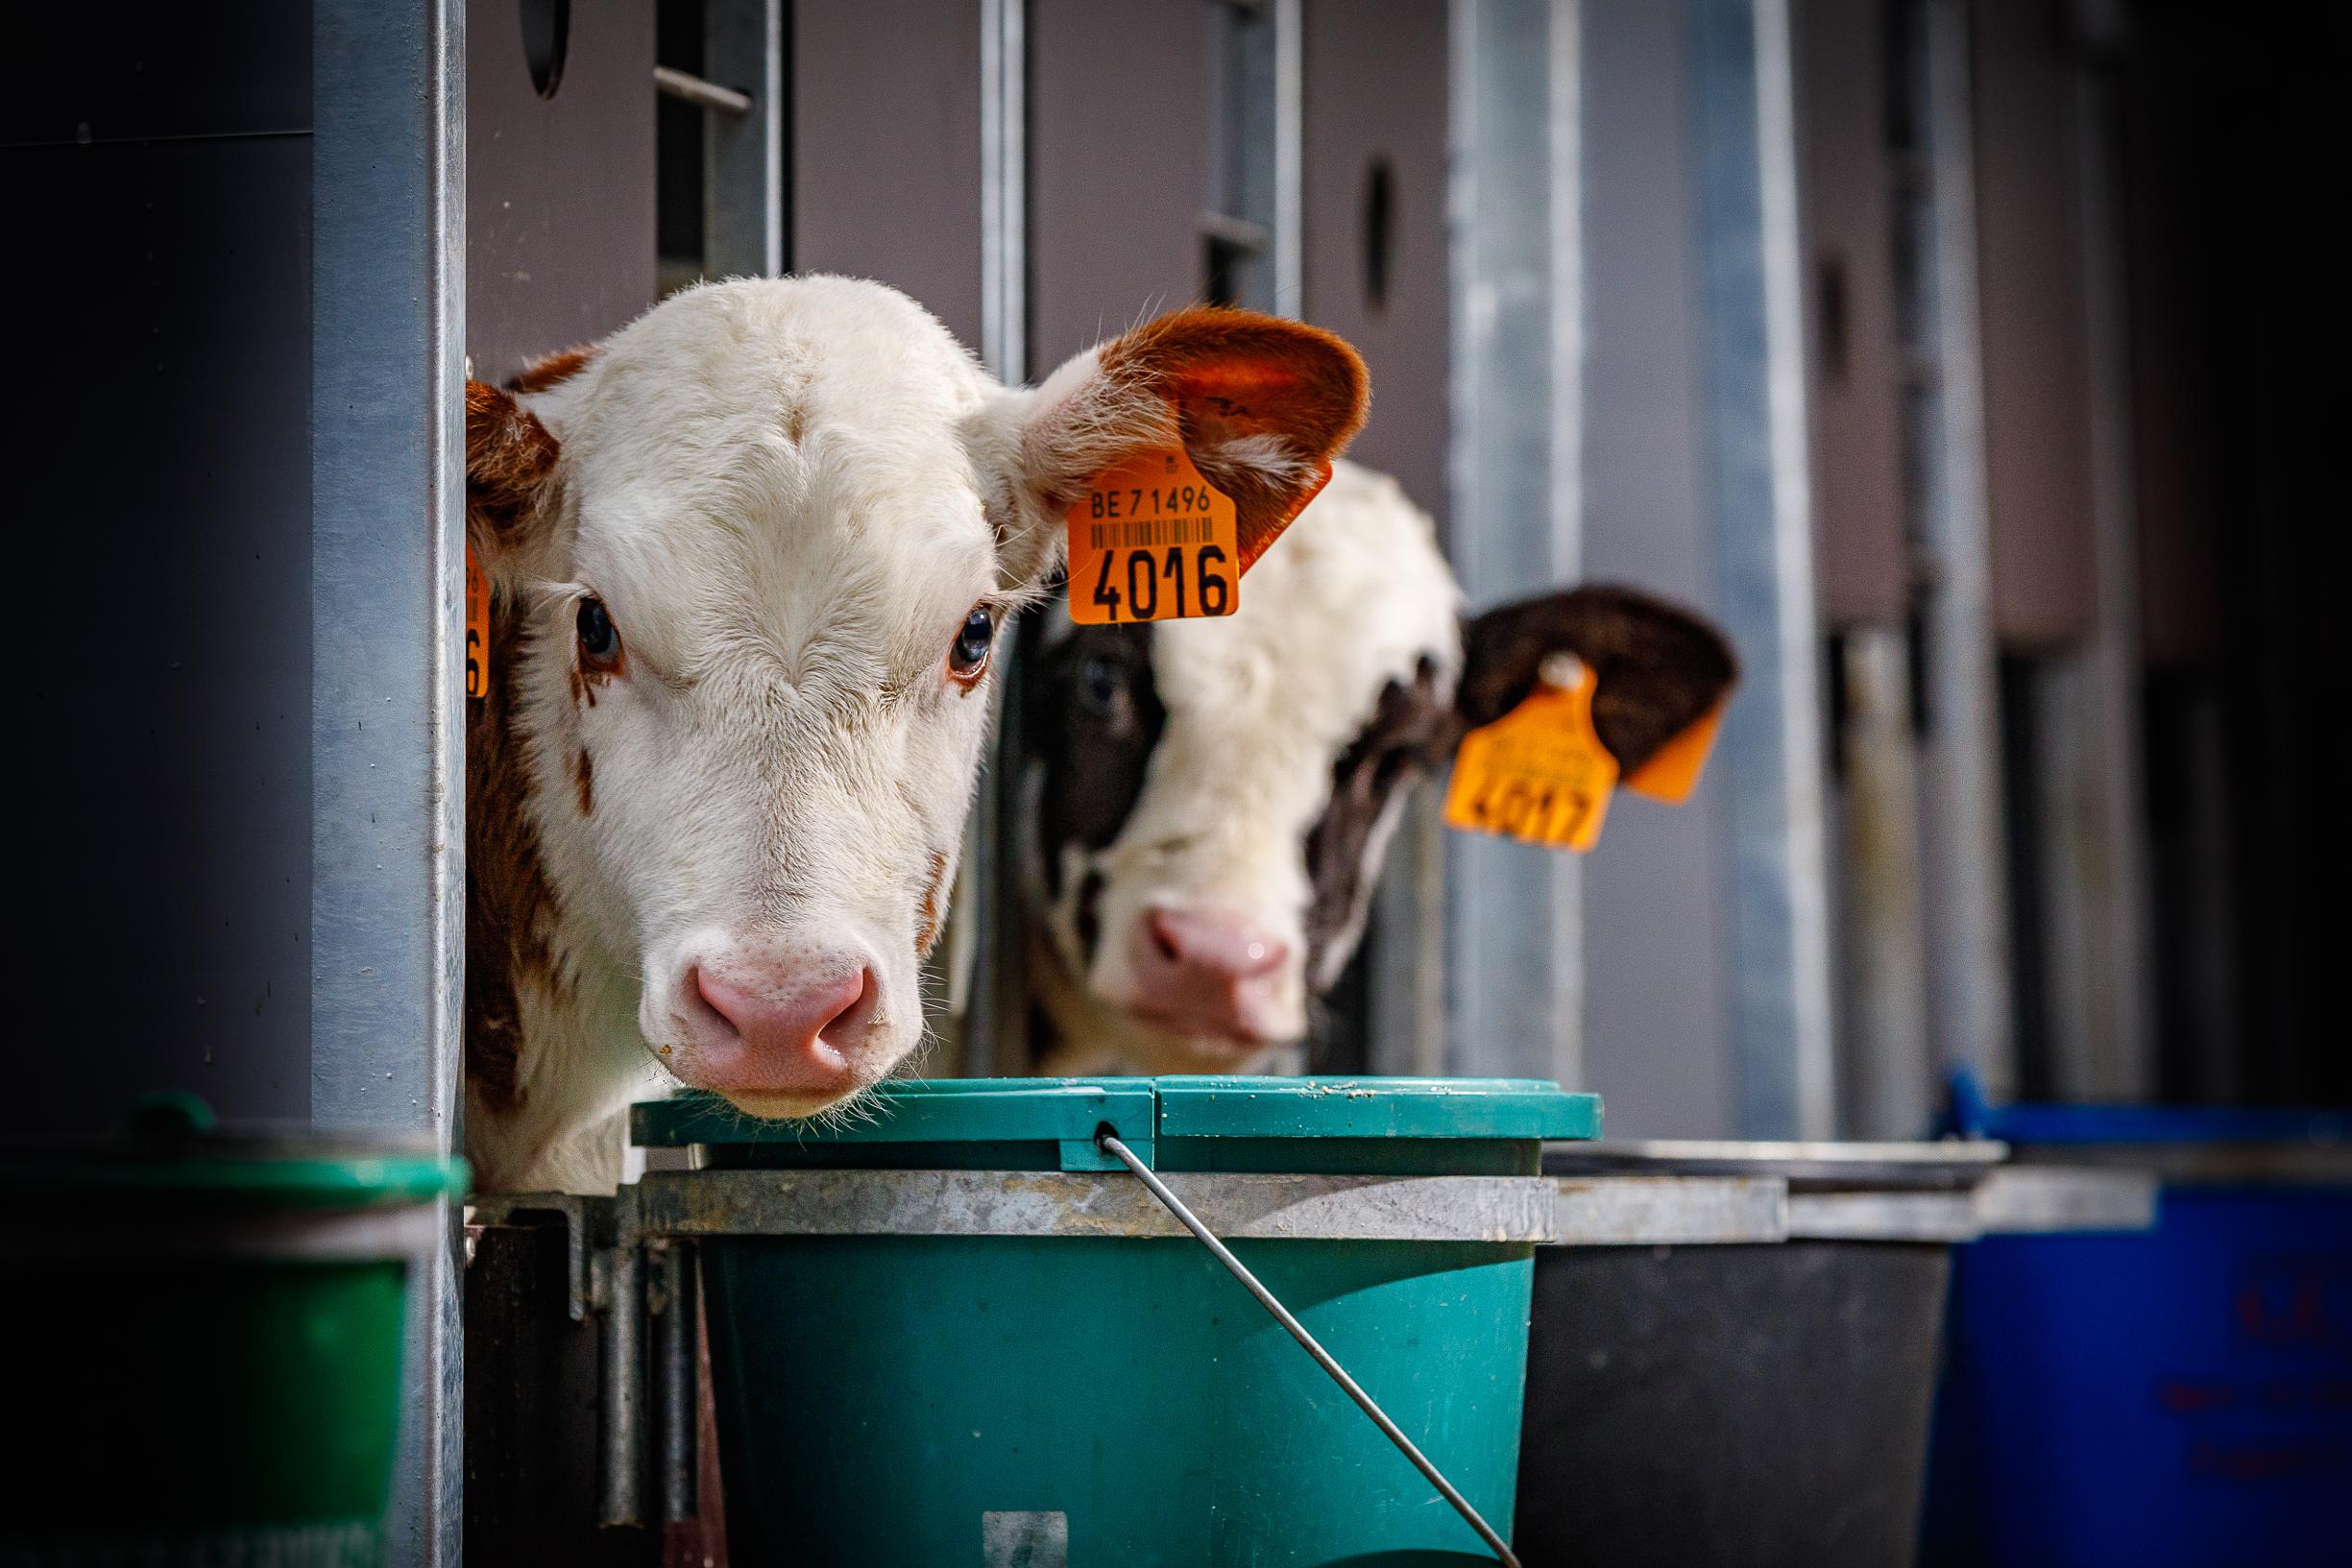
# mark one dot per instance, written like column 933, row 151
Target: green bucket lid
column 1003, row 1114
column 173, row 1149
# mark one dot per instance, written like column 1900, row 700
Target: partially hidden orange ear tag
column 1673, row 770
column 1538, row 774
column 477, row 628
column 1152, row 540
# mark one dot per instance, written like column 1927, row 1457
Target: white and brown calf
column 1209, row 801
column 748, row 557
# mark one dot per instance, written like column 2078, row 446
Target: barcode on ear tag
column 477, row 628
column 1538, row 774
column 1152, row 540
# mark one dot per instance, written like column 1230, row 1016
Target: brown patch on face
column 554, row 370
column 926, row 935
column 1658, row 669
column 1234, row 373
column 1401, row 739
column 510, row 909
column 509, row 459
column 584, row 775
column 795, row 424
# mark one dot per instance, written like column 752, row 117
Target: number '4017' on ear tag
column 1538, row 774
column 1152, row 540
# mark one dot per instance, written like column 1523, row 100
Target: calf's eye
column 1099, row 685
column 599, row 637
column 970, row 649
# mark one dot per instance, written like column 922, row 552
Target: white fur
column 790, row 493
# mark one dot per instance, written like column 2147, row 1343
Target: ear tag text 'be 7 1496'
column 1152, row 540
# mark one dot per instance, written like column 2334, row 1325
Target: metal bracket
column 589, row 1224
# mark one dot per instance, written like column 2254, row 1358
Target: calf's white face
column 749, row 556
column 1210, row 801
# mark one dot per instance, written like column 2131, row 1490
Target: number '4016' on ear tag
column 477, row 628
column 1538, row 774
column 1152, row 540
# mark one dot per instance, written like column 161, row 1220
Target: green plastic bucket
column 926, row 1386
column 206, row 1335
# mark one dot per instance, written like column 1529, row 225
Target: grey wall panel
column 1852, row 362
column 559, row 190
column 1119, row 172
column 160, row 502
column 1375, row 101
column 2036, row 349
column 885, row 177
column 1656, row 1029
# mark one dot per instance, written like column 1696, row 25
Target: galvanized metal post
column 1886, row 1084
column 1961, row 794
column 2107, row 879
column 985, row 935
column 1003, row 188
column 388, row 736
column 1515, row 917
column 743, row 154
column 1255, row 207
column 1758, row 490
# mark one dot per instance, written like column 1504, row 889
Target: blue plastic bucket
column 2181, row 1395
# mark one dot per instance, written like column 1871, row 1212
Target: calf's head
column 1210, row 801
column 748, row 560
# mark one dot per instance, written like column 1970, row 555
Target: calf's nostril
column 698, row 997
column 1165, row 939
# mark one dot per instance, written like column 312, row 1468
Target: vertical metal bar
column 1286, row 221
column 387, row 829
column 2122, row 1060
column 987, row 899
column 620, row 1333
column 1761, row 504
column 1004, row 191
column 743, row 154
column 1512, row 926
column 1961, row 794
column 675, row 1345
column 1887, row 1090
column 1258, row 142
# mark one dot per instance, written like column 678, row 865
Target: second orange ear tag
column 1152, row 540
column 477, row 627
column 1538, row 774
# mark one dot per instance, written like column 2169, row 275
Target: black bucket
column 1745, row 1404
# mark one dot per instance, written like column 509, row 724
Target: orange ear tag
column 1673, row 770
column 1151, row 540
column 1538, row 774
column 477, row 627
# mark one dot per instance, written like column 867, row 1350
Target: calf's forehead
column 778, row 448
column 1354, row 598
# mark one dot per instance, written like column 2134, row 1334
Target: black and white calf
column 1208, row 801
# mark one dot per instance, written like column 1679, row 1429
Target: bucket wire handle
column 1109, row 1141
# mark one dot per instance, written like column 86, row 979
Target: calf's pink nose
column 1215, row 942
column 1209, row 972
column 772, row 1040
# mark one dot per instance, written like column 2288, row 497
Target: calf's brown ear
column 1263, row 405
column 510, row 458
column 1659, row 669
